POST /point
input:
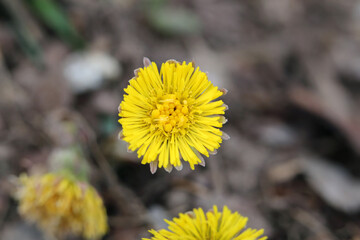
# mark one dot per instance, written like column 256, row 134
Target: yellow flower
column 213, row 225
column 62, row 206
column 169, row 115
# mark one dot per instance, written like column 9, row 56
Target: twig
column 313, row 224
column 218, row 180
column 20, row 13
column 128, row 201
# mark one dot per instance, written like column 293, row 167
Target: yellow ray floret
column 62, row 206
column 213, row 225
column 171, row 115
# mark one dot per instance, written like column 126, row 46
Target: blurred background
column 292, row 69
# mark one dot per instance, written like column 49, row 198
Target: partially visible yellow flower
column 171, row 115
column 213, row 225
column 61, row 206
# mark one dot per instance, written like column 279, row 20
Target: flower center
column 170, row 113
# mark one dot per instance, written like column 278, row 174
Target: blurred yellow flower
column 169, row 115
column 60, row 205
column 213, row 225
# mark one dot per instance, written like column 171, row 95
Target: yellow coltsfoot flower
column 60, row 206
column 213, row 225
column 171, row 114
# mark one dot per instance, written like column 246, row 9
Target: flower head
column 171, row 114
column 214, row 225
column 60, row 205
